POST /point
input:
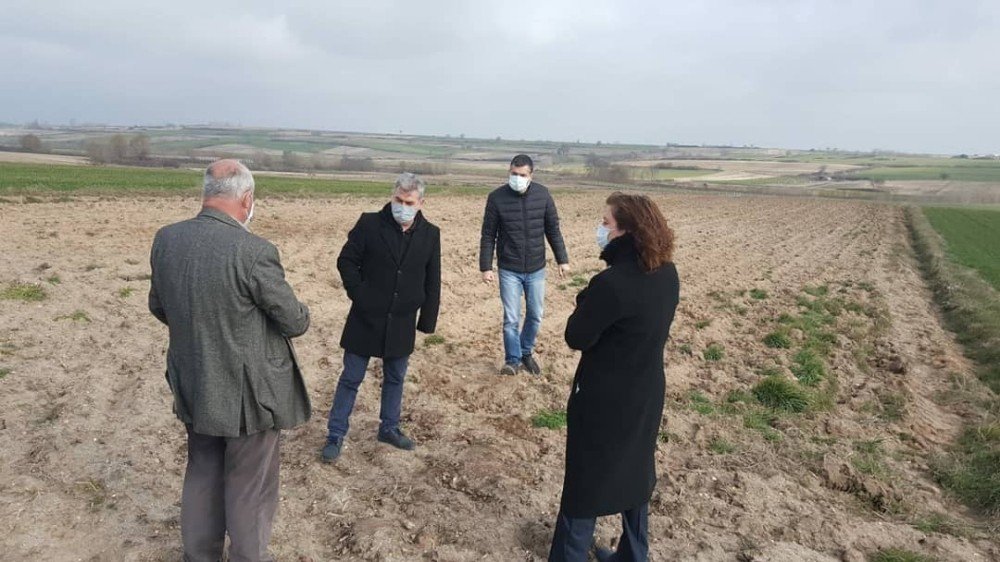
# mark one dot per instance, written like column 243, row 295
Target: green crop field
column 973, row 172
column 972, row 237
column 38, row 179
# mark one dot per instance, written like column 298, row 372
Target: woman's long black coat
column 388, row 287
column 621, row 323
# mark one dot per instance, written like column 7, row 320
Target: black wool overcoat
column 621, row 324
column 387, row 287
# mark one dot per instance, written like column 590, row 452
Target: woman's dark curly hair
column 640, row 216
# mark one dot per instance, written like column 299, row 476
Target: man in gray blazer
column 231, row 366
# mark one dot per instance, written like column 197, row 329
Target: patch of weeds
column 763, row 422
column 720, row 446
column 786, row 318
column 686, row 349
column 862, row 353
column 126, row 292
column 817, row 291
column 825, row 399
column 27, row 292
column 549, row 419
column 869, row 458
column 700, row 403
column 669, row 437
column 820, row 342
column 3, row 373
column 855, row 307
column 778, row 340
column 714, row 352
column 898, row 555
column 940, row 523
column 7, row 348
column 781, row 394
column 758, row 294
column 76, row 316
column 808, row 368
column 893, row 405
column 433, row 339
column 578, row 281
column 702, row 324
column 53, row 280
column 771, row 371
column 972, row 470
column 736, row 396
column 561, row 287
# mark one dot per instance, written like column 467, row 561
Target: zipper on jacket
column 524, row 219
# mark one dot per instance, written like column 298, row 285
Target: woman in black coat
column 621, row 323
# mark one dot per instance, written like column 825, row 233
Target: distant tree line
column 294, row 162
column 118, row 149
column 599, row 168
column 32, row 143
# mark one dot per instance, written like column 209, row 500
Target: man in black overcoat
column 391, row 270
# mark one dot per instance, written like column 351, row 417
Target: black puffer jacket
column 517, row 226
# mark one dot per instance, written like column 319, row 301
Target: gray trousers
column 231, row 485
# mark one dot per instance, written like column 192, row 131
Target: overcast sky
column 906, row 75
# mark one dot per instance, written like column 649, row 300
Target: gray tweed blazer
column 222, row 293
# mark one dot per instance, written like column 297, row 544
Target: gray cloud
column 918, row 76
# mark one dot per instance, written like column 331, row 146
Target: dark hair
column 522, row 160
column 641, row 217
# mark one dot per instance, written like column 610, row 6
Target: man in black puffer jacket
column 519, row 217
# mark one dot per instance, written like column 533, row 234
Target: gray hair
column 407, row 183
column 228, row 179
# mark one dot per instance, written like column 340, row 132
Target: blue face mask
column 403, row 213
column 603, row 234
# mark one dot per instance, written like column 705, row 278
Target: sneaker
column 332, row 450
column 396, row 438
column 531, row 365
column 510, row 369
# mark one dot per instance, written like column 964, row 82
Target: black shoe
column 396, row 438
column 332, row 450
column 509, row 369
column 604, row 554
column 531, row 365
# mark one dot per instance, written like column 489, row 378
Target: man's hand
column 488, row 277
column 563, row 270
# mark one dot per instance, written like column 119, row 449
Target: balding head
column 227, row 179
column 229, row 189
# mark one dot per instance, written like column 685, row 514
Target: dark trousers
column 231, row 485
column 355, row 366
column 573, row 537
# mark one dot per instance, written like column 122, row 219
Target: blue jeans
column 519, row 342
column 355, row 366
column 573, row 537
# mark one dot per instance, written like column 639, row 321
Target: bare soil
column 93, row 459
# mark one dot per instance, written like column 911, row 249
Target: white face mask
column 246, row 223
column 518, row 183
column 603, row 236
